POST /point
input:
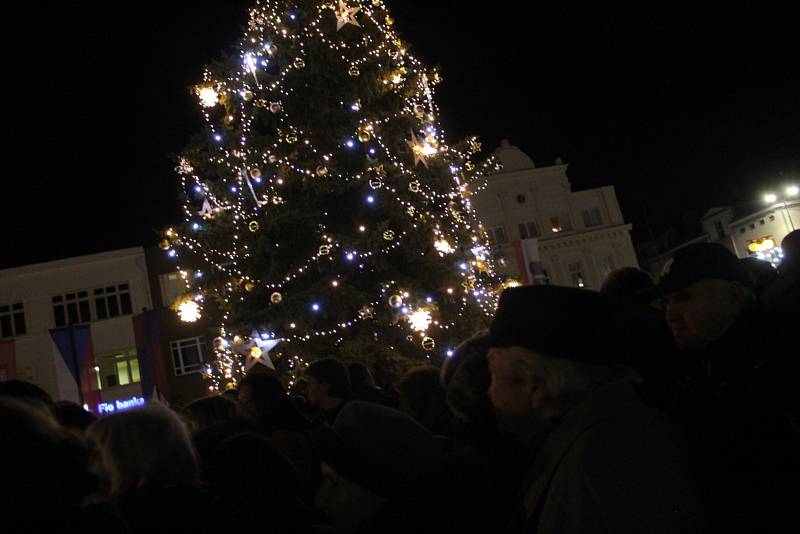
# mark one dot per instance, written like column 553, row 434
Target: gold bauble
column 395, row 301
column 255, row 172
column 230, row 385
column 276, row 298
column 228, row 120
column 253, row 226
column 376, row 2
column 353, row 71
column 238, row 340
column 428, row 343
column 275, row 107
column 272, row 158
column 364, row 135
column 261, row 103
column 414, row 186
column 299, row 63
column 388, row 235
column 322, row 171
column 249, row 287
column 389, row 20
column 248, row 96
column 256, row 352
column 411, row 210
column 165, row 244
column 419, row 111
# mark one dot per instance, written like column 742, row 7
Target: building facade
column 579, row 236
column 94, row 330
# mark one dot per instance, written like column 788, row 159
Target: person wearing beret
column 601, row 460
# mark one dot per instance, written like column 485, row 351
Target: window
column 771, row 218
column 12, row 320
column 187, row 355
column 560, row 224
column 498, row 235
column 72, row 308
column 720, row 230
column 576, row 273
column 528, row 230
column 592, row 217
column 761, row 222
column 521, row 199
column 741, row 230
column 606, row 265
column 118, row 369
column 752, row 226
column 112, row 301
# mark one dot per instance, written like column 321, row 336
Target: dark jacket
column 611, row 465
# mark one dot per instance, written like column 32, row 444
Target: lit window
column 118, row 369
column 576, row 272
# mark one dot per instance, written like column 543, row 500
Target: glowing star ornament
column 444, row 247
column 414, row 186
column 388, row 235
column 428, row 344
column 208, row 96
column 366, row 312
column 346, row 15
column 188, row 309
column 206, row 212
column 257, row 350
column 420, row 320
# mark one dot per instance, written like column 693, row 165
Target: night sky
column 680, row 111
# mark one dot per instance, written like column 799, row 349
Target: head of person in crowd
column 423, row 397
column 626, row 285
column 360, row 377
column 466, row 379
column 761, row 272
column 26, row 392
column 46, row 471
column 328, row 384
column 143, row 450
column 374, row 457
column 209, row 411
column 231, row 394
column 790, row 245
column 71, row 415
column 704, row 289
column 549, row 348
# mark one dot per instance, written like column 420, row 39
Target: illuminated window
column 119, row 369
column 576, row 273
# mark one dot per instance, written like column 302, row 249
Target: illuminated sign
column 761, row 244
column 120, row 405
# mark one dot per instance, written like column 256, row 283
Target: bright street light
column 770, row 198
column 792, row 190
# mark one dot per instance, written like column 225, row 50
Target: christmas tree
column 328, row 214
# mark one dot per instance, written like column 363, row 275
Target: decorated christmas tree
column 326, row 213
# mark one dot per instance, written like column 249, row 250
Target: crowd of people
column 649, row 406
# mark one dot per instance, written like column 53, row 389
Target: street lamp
column 791, row 191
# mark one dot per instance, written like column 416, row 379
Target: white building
column 91, row 329
column 760, row 233
column 581, row 235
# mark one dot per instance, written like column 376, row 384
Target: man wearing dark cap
column 602, row 461
column 737, row 399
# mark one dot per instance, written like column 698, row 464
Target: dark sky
column 678, row 110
